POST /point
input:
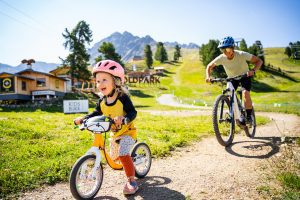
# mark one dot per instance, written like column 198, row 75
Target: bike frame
column 234, row 101
column 99, row 146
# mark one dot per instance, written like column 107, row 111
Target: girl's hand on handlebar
column 78, row 120
column 118, row 120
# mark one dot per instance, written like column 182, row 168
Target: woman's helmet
column 111, row 67
column 226, row 42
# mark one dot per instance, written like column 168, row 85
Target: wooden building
column 31, row 85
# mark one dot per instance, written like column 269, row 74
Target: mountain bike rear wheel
column 250, row 129
column 223, row 120
column 84, row 183
column 141, row 156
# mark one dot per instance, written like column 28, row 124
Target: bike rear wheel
column 250, row 129
column 223, row 120
column 84, row 183
column 141, row 156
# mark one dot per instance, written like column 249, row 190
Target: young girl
column 116, row 104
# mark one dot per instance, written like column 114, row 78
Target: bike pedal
column 241, row 124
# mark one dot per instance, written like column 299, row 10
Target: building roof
column 47, row 74
column 60, row 70
column 25, row 77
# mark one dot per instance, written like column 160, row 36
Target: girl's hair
column 120, row 88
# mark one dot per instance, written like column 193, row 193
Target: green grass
column 41, row 147
column 188, row 84
column 290, row 180
column 186, row 80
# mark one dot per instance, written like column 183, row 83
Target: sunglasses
column 227, row 50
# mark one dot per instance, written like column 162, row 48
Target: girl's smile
column 105, row 83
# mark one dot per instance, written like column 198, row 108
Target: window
column 57, row 84
column 40, row 82
column 23, row 85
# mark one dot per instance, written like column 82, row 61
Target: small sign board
column 76, row 106
column 43, row 92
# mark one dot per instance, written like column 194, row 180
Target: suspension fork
column 221, row 111
column 235, row 106
column 232, row 105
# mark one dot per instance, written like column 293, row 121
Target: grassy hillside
column 186, row 80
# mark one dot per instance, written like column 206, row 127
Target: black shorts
column 244, row 82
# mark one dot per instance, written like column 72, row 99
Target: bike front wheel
column 250, row 129
column 223, row 120
column 141, row 156
column 85, row 179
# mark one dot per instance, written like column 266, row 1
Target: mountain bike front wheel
column 250, row 129
column 141, row 156
column 85, row 180
column 223, row 120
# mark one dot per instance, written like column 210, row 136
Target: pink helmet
column 111, row 67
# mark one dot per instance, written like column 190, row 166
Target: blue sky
column 33, row 28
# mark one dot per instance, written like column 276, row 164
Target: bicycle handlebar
column 229, row 79
column 84, row 126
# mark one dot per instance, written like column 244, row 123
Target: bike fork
column 96, row 152
column 235, row 107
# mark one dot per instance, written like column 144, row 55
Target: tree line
column 293, row 50
column 78, row 59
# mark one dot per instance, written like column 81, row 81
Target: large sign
column 7, row 85
column 76, row 106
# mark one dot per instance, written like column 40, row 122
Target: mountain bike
column 229, row 110
column 87, row 173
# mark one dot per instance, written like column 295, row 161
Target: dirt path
column 204, row 170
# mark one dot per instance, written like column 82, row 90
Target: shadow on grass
column 50, row 109
column 141, row 106
column 281, row 74
column 140, row 94
column 262, row 87
column 176, row 63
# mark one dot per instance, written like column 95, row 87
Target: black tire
column 141, row 156
column 250, row 129
column 75, row 179
column 224, row 127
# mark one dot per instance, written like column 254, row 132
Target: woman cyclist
column 235, row 64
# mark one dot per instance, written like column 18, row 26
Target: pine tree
column 161, row 53
column 148, row 56
column 288, row 51
column 78, row 58
column 177, row 53
column 108, row 52
column 208, row 52
column 257, row 50
column 243, row 45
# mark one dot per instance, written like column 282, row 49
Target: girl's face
column 229, row 52
column 105, row 83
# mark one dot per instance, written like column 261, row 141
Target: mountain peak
column 128, row 45
column 116, row 34
column 127, row 33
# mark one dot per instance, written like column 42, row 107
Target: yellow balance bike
column 87, row 173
